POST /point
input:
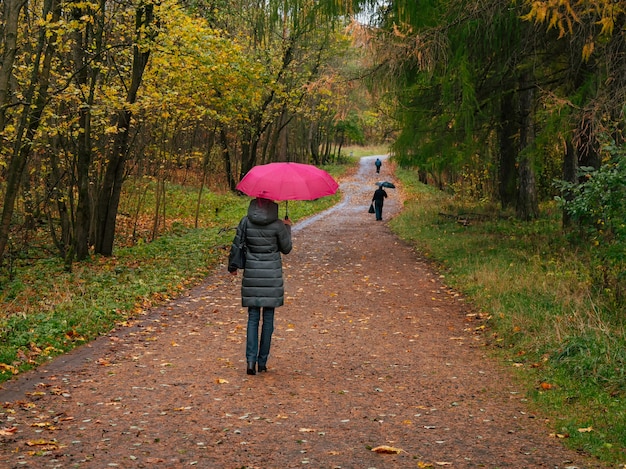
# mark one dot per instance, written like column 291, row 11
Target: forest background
column 125, row 127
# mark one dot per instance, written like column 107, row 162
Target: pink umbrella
column 287, row 181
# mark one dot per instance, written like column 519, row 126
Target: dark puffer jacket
column 267, row 237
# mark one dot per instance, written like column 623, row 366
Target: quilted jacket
column 267, row 237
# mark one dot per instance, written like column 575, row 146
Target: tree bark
column 111, row 189
column 85, row 75
column 570, row 174
column 228, row 165
column 10, row 14
column 507, row 158
column 36, row 95
column 527, row 205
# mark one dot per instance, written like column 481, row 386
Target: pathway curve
column 370, row 350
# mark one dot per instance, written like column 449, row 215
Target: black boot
column 251, row 370
column 262, row 368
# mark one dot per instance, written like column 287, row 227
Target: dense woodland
column 512, row 103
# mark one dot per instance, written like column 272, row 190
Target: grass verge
column 566, row 348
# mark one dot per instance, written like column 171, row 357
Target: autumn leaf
column 7, row 431
column 546, row 386
column 221, row 381
column 387, row 450
column 585, row 430
column 43, row 425
column 9, row 368
column 46, row 443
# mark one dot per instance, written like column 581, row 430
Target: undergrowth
column 563, row 337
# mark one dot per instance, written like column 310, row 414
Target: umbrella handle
column 286, row 210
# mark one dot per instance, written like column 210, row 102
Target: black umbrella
column 386, row 184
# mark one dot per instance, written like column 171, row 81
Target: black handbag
column 237, row 256
column 371, row 210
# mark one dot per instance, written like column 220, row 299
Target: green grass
column 547, row 319
column 357, row 151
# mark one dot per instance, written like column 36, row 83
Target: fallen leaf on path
column 221, row 381
column 443, row 463
column 47, row 425
column 7, row 431
column 46, row 443
column 307, row 430
column 387, row 450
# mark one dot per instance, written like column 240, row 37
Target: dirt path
column 370, row 350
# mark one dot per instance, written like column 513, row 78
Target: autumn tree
column 32, row 99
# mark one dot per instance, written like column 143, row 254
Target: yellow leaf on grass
column 387, row 450
column 585, row 430
column 9, row 368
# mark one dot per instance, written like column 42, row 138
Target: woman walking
column 379, row 200
column 262, row 287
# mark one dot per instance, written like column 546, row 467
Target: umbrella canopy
column 386, row 184
column 287, row 181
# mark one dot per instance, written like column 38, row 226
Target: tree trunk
column 85, row 75
column 228, row 165
column 507, row 171
column 37, row 96
column 527, row 205
column 313, row 142
column 10, row 14
column 570, row 174
column 205, row 171
column 110, row 192
column 57, row 192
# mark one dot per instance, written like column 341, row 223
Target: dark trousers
column 378, row 209
column 259, row 352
